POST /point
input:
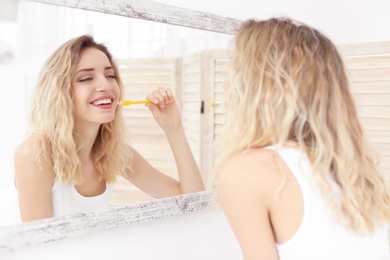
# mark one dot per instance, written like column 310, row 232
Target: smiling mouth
column 102, row 102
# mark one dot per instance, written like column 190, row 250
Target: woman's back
column 320, row 235
column 289, row 85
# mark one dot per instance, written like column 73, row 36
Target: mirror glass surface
column 35, row 30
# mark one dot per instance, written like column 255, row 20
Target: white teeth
column 102, row 102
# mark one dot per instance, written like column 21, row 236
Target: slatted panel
column 368, row 66
column 215, row 72
column 140, row 77
column 371, row 48
column 191, row 99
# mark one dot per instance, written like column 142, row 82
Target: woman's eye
column 85, row 79
column 111, row 76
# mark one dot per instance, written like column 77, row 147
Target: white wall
column 344, row 21
column 11, row 110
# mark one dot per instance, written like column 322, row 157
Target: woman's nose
column 104, row 84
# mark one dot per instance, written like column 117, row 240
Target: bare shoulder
column 27, row 151
column 25, row 148
column 254, row 170
column 28, row 165
column 251, row 163
column 34, row 180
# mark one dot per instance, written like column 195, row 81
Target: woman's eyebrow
column 86, row 69
column 92, row 69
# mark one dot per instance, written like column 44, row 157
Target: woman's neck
column 85, row 141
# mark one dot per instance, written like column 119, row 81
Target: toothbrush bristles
column 216, row 103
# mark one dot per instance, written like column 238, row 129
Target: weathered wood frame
column 156, row 12
column 33, row 233
column 43, row 231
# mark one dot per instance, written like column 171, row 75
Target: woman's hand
column 164, row 109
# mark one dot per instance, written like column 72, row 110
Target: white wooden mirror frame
column 44, row 231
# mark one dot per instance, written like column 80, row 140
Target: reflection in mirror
column 150, row 55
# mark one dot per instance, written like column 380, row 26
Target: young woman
column 77, row 143
column 297, row 179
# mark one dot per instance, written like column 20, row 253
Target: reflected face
column 95, row 88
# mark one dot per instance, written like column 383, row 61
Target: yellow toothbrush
column 127, row 102
column 216, row 103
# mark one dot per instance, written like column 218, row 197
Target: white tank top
column 320, row 236
column 67, row 201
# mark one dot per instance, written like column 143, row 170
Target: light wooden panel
column 191, row 98
column 140, row 77
column 215, row 72
column 368, row 67
column 203, row 73
column 371, row 48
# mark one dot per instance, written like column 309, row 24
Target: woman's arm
column 149, row 179
column 33, row 182
column 167, row 115
column 245, row 188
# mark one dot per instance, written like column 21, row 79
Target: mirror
column 146, row 32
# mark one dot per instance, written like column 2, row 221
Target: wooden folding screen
column 203, row 77
column 141, row 77
column 190, row 93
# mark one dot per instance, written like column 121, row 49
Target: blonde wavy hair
column 288, row 84
column 52, row 118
